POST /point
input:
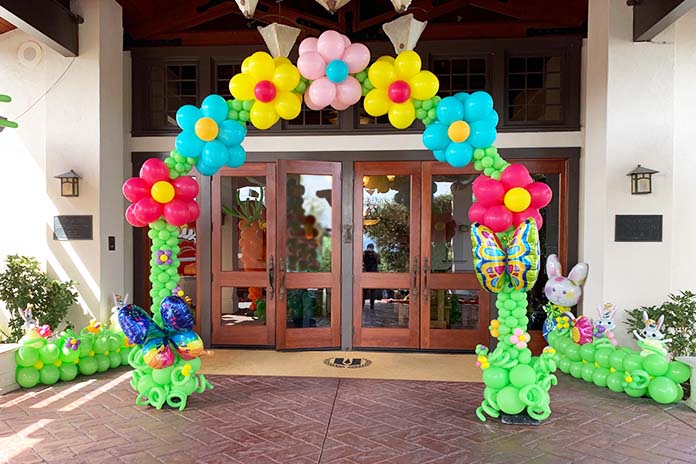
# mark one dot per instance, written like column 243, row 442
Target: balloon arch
column 332, row 71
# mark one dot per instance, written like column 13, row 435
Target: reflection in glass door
column 309, row 254
column 243, row 290
column 386, row 255
column 455, row 310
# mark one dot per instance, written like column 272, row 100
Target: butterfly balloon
column 159, row 344
column 519, row 259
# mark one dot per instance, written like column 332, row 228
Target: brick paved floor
column 270, row 420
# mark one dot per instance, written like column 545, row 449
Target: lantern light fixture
column 69, row 184
column 641, row 180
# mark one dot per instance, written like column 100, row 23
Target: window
column 460, row 74
column 223, row 74
column 326, row 117
column 534, row 88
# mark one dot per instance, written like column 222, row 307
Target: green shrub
column 23, row 283
column 680, row 322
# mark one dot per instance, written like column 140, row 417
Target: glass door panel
column 243, row 294
column 454, row 310
column 309, row 258
column 386, row 254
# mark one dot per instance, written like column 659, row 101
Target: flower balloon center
column 265, row 91
column 206, row 129
column 458, row 131
column 399, row 92
column 337, row 71
column 517, row 199
column 162, row 192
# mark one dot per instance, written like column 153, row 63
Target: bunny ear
column 553, row 266
column 660, row 321
column 600, row 310
column 578, row 274
column 645, row 317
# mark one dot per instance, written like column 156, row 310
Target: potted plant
column 22, row 283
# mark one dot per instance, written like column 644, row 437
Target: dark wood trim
column 46, row 20
column 495, row 51
column 651, row 17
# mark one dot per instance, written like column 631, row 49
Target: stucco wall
column 637, row 99
column 77, row 125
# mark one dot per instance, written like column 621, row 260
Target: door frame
column 259, row 335
column 367, row 337
column 316, row 337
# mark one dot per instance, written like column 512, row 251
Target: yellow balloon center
column 162, row 192
column 459, row 131
column 517, row 199
column 206, row 129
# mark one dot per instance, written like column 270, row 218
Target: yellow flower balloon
column 270, row 83
column 397, row 82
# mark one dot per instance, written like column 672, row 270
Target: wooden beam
column 483, row 30
column 535, row 10
column 210, row 38
column 650, row 17
column 182, row 17
column 46, row 20
column 5, row 26
column 418, row 6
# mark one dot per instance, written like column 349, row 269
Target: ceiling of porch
column 220, row 22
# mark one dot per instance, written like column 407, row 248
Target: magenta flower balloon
column 329, row 62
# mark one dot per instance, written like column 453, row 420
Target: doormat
column 350, row 363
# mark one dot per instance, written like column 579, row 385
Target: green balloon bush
column 170, row 386
column 621, row 369
column 43, row 361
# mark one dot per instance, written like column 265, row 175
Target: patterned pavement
column 283, row 420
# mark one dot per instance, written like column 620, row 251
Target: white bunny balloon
column 564, row 291
column 606, row 313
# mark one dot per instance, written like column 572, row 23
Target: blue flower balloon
column 209, row 137
column 464, row 122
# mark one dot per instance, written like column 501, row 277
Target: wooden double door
column 277, row 255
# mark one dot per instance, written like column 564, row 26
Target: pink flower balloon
column 316, row 55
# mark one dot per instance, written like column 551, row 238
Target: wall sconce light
column 641, row 180
column 69, row 184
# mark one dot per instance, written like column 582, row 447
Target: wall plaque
column 638, row 228
column 72, row 227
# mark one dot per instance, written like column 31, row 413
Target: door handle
column 281, row 291
column 415, row 277
column 425, row 279
column 271, row 274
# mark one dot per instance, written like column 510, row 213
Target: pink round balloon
column 519, row 218
column 308, row 45
column 176, row 212
column 515, row 175
column 322, row 92
column 194, row 211
column 346, row 40
column 147, row 210
column 357, row 57
column 135, row 188
column 310, row 104
column 154, row 170
column 330, row 45
column 311, row 65
column 132, row 220
column 541, row 194
column 498, row 218
column 348, row 92
column 338, row 106
column 185, row 187
column 476, row 213
column 489, row 192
